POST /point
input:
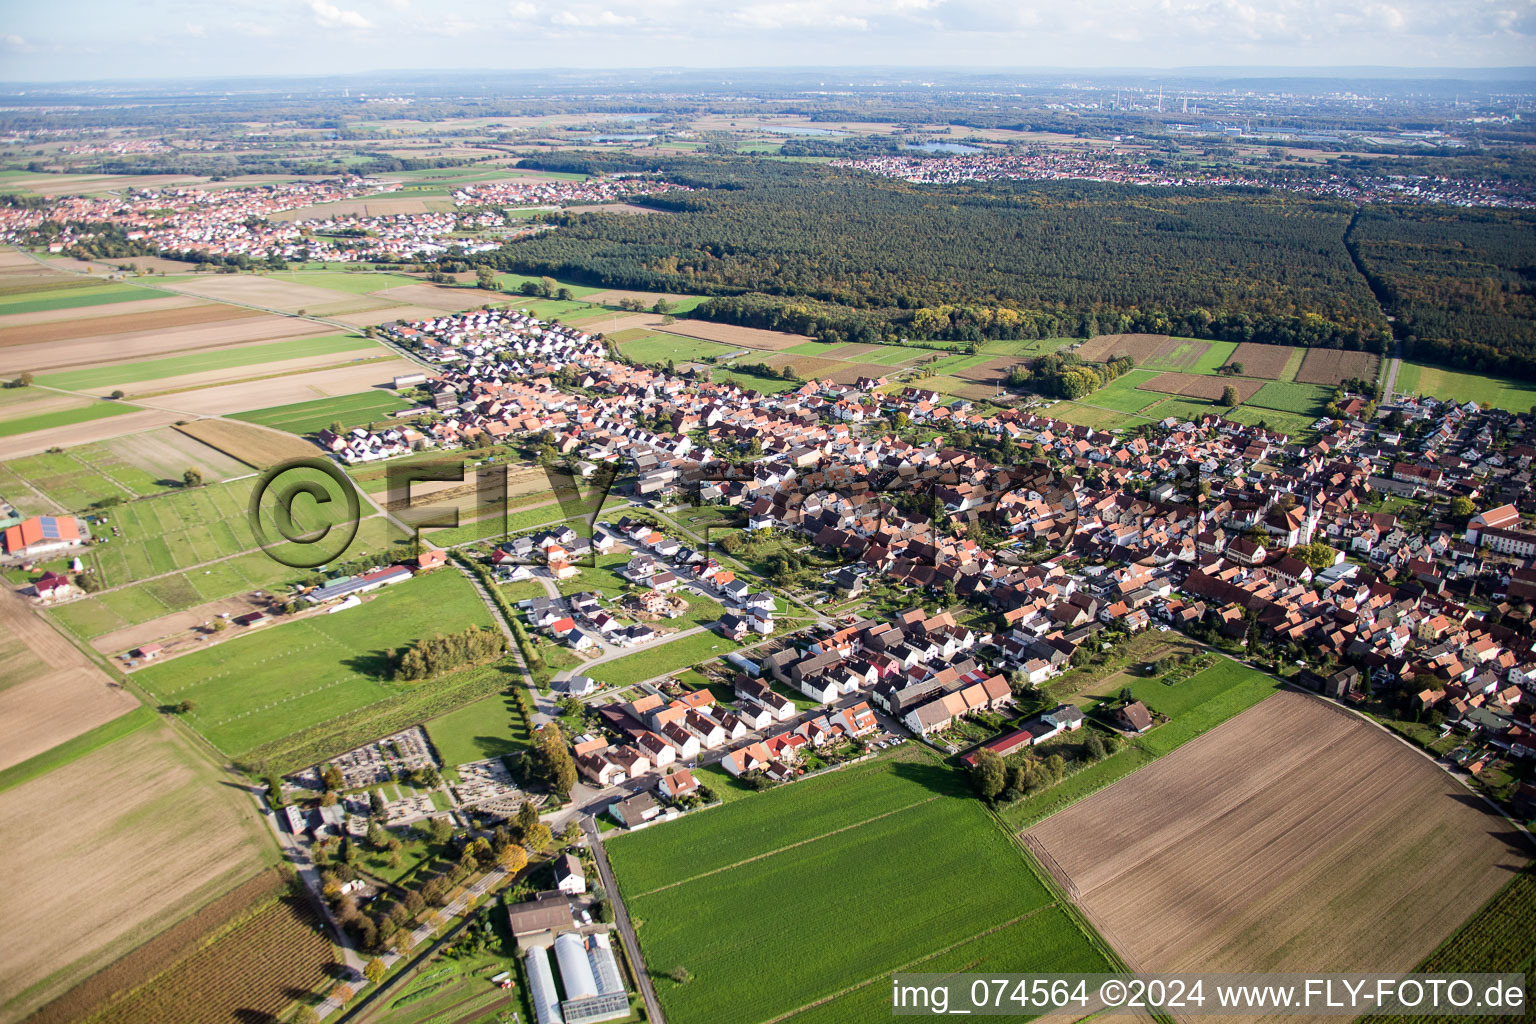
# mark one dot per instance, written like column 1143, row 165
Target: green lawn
column 751, row 381
column 1121, row 394
column 1288, row 396
column 75, row 298
column 201, row 362
column 658, row 348
column 310, row 417
column 718, row 894
column 275, row 681
column 1439, row 382
column 97, row 410
column 669, row 657
column 488, row 728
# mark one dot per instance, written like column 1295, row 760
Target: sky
column 104, row 39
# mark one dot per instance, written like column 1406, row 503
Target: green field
column 39, row 301
column 658, row 348
column 488, row 728
column 353, row 282
column 1439, row 382
column 245, row 573
column 64, row 417
column 751, row 381
column 1121, row 394
column 721, row 893
column 310, row 417
column 1207, row 356
column 669, row 657
column 1194, row 706
column 1288, row 396
column 202, row 362
column 255, row 689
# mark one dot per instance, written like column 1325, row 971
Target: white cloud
column 522, row 10
column 328, row 15
column 14, row 42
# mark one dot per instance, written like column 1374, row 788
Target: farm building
column 349, row 586
column 538, row 921
column 42, row 535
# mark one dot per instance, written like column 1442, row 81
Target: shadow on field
column 933, row 777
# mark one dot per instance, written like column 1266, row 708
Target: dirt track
column 1294, row 837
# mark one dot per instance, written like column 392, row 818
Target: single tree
column 192, row 477
column 1230, row 397
column 988, row 773
column 375, row 970
column 513, row 858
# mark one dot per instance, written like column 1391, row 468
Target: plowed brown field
column 1295, row 837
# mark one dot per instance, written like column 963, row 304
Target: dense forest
column 1460, row 283
column 1080, row 256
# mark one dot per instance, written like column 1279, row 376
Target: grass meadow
column 717, row 893
column 311, row 417
column 254, row 689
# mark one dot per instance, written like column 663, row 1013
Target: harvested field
column 1330, row 367
column 436, row 297
column 993, row 371
column 1194, row 385
column 273, row 293
column 69, row 695
column 955, row 388
column 252, row 445
column 115, row 346
column 386, row 314
column 251, row 973
column 153, row 828
column 849, row 373
column 18, row 446
column 1294, row 837
column 1267, row 361
column 164, row 453
column 182, row 312
column 117, row 311
column 260, row 371
column 1140, row 347
column 298, row 387
column 804, row 367
column 169, row 947
column 728, row 334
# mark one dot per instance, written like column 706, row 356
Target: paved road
column 1396, row 364
column 621, row 921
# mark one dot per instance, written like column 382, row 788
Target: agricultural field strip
column 910, row 964
column 783, row 849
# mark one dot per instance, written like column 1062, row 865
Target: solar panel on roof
column 50, row 527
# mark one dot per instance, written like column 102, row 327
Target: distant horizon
column 1356, row 72
column 90, row 40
